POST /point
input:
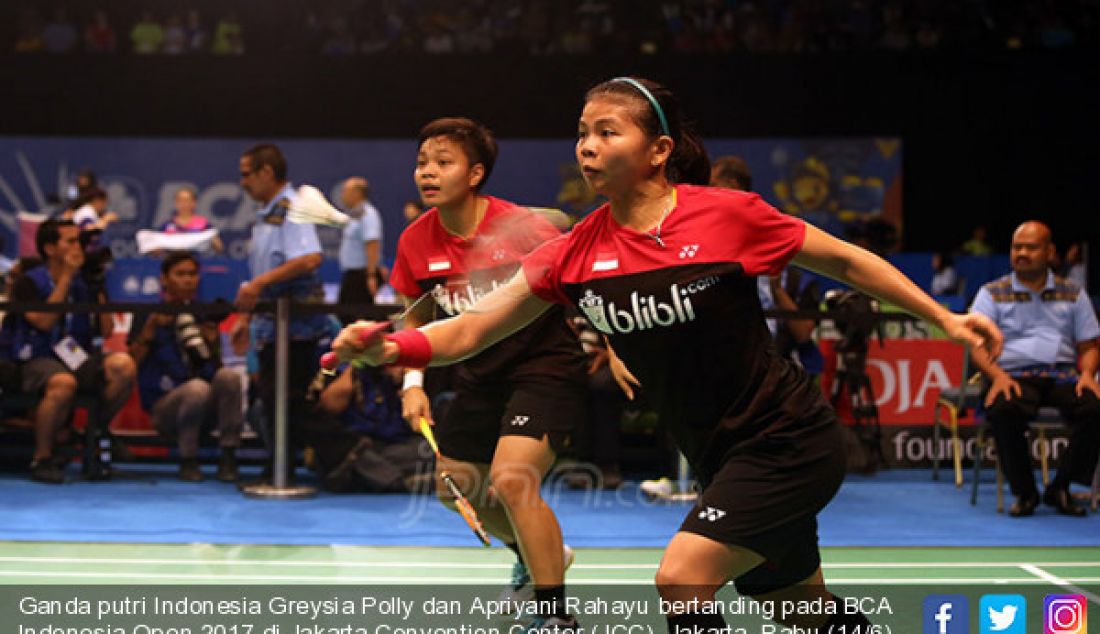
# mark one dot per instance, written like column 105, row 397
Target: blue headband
column 652, row 101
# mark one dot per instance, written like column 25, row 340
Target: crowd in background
column 542, row 27
column 360, row 406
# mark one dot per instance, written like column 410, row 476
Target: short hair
column 476, row 140
column 267, row 154
column 175, row 257
column 88, row 195
column 360, row 184
column 733, row 168
column 49, row 232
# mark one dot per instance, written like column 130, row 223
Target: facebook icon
column 946, row 614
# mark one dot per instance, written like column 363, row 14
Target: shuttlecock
column 309, row 206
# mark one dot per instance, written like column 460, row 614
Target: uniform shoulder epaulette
column 1001, row 290
column 1064, row 291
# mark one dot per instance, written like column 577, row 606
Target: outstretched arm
column 494, row 317
column 871, row 274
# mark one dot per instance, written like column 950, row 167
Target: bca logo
column 520, row 421
column 711, row 514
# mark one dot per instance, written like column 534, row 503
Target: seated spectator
column 227, row 37
column 731, row 172
column 60, row 35
column 56, row 352
column 1074, row 267
column 977, row 244
column 5, row 262
column 181, row 380
column 28, row 37
column 368, row 447
column 1050, row 359
column 411, row 210
column 90, row 211
column 99, row 37
column 175, row 37
column 185, row 220
column 197, row 35
column 945, row 281
column 147, row 35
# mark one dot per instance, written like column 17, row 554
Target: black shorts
column 481, row 413
column 766, row 499
column 90, row 379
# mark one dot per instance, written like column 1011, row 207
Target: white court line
column 1036, row 580
column 1061, row 583
column 458, row 581
column 501, row 566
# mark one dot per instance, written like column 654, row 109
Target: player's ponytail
column 658, row 113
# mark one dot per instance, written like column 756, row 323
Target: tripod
column 851, row 377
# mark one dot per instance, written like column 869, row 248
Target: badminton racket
column 367, row 337
column 461, row 503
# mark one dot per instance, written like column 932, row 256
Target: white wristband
column 413, row 378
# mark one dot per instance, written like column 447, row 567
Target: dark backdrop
column 988, row 138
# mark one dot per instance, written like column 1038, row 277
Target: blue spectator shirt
column 375, row 409
column 21, row 341
column 358, row 232
column 275, row 241
column 164, row 367
column 1040, row 329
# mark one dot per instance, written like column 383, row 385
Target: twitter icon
column 1002, row 614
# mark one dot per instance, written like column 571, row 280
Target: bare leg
column 52, row 412
column 519, row 465
column 472, row 479
column 120, row 372
column 695, row 567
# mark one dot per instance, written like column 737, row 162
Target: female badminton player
column 516, row 402
column 666, row 270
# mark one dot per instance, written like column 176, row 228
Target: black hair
column 175, row 257
column 734, row 169
column 477, row 141
column 49, row 232
column 689, row 162
column 87, row 196
column 267, row 154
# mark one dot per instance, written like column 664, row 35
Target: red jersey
column 458, row 272
column 681, row 310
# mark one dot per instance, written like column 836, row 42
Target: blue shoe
column 521, row 588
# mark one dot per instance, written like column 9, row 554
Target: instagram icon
column 1065, row 614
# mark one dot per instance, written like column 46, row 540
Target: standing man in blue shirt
column 1050, row 358
column 284, row 257
column 360, row 245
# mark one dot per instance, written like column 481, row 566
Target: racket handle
column 329, row 360
column 426, row 432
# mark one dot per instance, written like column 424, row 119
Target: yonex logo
column 711, row 514
column 689, row 251
column 520, row 421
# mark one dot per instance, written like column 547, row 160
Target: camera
column 189, row 336
column 97, row 259
column 856, row 319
